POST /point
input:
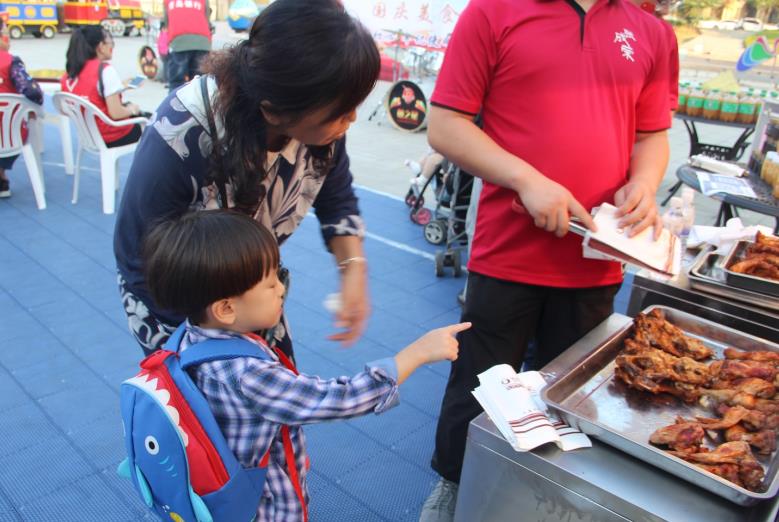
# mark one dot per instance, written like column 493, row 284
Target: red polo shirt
column 673, row 62
column 565, row 91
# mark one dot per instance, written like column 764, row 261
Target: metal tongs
column 575, row 225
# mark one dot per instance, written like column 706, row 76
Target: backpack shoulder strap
column 220, row 349
column 212, row 349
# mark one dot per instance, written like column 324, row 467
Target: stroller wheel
column 458, row 271
column 435, row 232
column 439, row 263
column 411, row 199
column 421, row 216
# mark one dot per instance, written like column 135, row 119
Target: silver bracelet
column 357, row 259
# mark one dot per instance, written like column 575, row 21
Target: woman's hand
column 355, row 304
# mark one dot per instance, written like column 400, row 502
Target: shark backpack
column 177, row 457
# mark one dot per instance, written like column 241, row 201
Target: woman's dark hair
column 201, row 257
column 83, row 47
column 301, row 56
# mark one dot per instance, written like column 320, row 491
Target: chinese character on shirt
column 625, row 48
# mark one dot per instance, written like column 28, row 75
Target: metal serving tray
column 746, row 281
column 707, row 274
column 589, row 397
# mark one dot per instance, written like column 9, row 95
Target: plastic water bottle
column 673, row 219
column 688, row 211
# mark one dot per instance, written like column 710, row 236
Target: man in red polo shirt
column 574, row 98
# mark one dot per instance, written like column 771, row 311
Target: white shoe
column 418, row 182
column 413, row 166
column 439, row 506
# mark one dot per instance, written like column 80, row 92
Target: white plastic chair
column 82, row 113
column 15, row 109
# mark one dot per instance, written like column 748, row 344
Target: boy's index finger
column 459, row 327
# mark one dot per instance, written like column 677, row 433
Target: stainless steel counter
column 600, row 484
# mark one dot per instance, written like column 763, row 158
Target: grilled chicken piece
column 635, row 379
column 764, row 441
column 652, row 329
column 726, row 471
column 682, row 436
column 742, row 369
column 767, row 406
column 752, row 385
column 731, row 398
column 766, row 240
column 759, row 356
column 659, row 365
column 754, row 420
column 728, row 453
column 759, row 265
column 751, row 474
column 732, row 417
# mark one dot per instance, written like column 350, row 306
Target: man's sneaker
column 439, row 506
column 5, row 189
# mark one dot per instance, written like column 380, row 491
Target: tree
column 764, row 8
column 690, row 10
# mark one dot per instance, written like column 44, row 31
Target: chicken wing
column 754, row 420
column 752, row 385
column 732, row 369
column 732, row 417
column 763, row 441
column 726, row 471
column 682, row 436
column 759, row 356
column 731, row 398
column 734, row 452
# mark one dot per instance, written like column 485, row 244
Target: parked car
column 751, row 24
column 726, row 25
column 729, row 25
column 707, row 24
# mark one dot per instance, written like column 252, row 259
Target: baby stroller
column 446, row 224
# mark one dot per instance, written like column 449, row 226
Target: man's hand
column 550, row 204
column 638, row 208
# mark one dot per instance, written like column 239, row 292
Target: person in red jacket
column 13, row 80
column 89, row 75
column 189, row 39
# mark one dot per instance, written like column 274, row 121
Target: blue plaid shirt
column 251, row 399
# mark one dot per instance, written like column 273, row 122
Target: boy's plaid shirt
column 251, row 399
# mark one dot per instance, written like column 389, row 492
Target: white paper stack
column 611, row 242
column 514, row 404
column 717, row 166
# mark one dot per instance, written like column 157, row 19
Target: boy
column 219, row 268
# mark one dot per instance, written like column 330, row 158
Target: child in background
column 424, row 168
column 14, row 79
column 219, row 268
